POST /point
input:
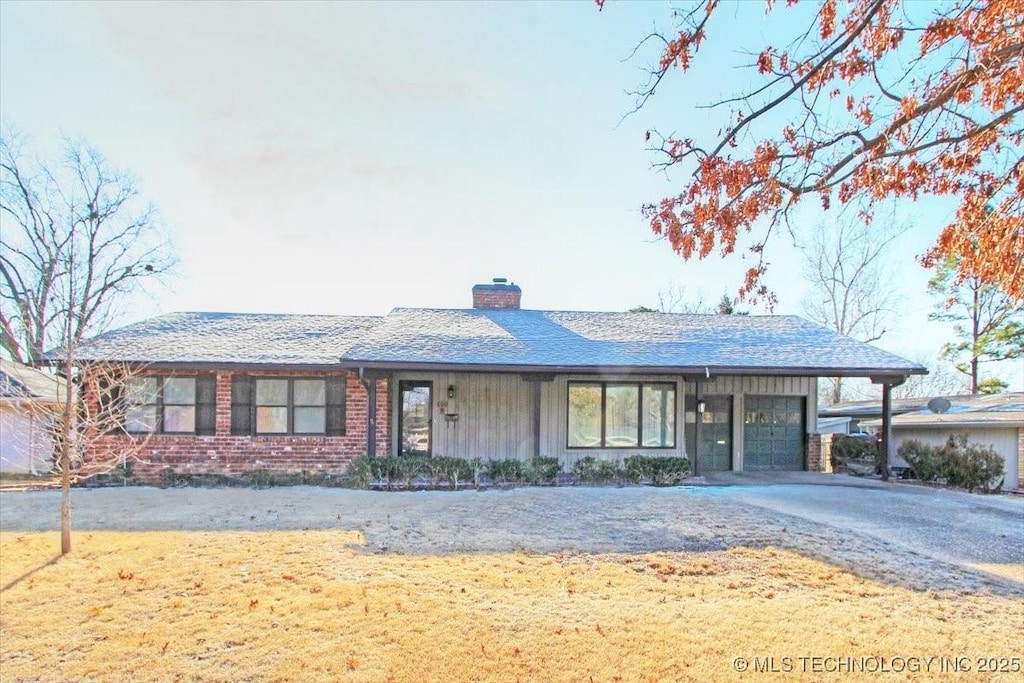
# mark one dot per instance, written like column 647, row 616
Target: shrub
column 846, row 448
column 508, row 471
column 925, row 461
column 668, row 471
column 608, row 471
column 585, row 469
column 454, row 471
column 956, row 463
column 361, row 470
column 541, row 471
column 659, row 471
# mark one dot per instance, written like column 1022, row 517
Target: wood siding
column 496, row 412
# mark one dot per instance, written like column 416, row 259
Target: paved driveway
column 907, row 535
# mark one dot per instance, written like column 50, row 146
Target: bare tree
column 75, row 240
column 851, row 294
column 89, row 409
column 674, row 299
column 941, row 380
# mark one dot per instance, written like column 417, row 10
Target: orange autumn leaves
column 930, row 99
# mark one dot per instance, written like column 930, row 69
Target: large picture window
column 622, row 415
column 287, row 405
column 169, row 405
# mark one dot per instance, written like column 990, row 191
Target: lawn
column 287, row 606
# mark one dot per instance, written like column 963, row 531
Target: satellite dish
column 939, row 405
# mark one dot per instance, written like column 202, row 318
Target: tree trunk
column 975, row 333
column 65, row 504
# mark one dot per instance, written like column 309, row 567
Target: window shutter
column 336, row 406
column 111, row 404
column 206, row 405
column 241, row 404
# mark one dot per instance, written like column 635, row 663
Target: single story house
column 859, row 412
column 996, row 421
column 29, row 399
column 228, row 392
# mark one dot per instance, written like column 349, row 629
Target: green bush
column 955, row 463
column 508, row 471
column 454, row 471
column 585, row 469
column 926, row 462
column 659, row 471
column 543, row 471
column 846, row 448
column 608, row 471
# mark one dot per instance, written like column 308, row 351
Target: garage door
column 773, row 433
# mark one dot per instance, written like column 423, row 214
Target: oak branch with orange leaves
column 875, row 99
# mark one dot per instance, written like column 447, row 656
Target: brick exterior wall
column 814, row 453
column 227, row 454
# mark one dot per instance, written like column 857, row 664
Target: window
column 622, row 415
column 281, row 405
column 170, row 405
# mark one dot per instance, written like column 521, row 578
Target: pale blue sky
column 350, row 158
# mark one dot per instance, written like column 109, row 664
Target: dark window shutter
column 111, row 403
column 206, row 405
column 241, row 404
column 336, row 406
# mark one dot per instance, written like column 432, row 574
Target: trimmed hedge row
column 956, row 463
column 408, row 472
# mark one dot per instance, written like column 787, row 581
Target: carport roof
column 500, row 340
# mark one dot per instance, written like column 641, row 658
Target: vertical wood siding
column 495, row 414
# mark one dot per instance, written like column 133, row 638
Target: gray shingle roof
column 566, row 339
column 499, row 339
column 223, row 338
column 19, row 381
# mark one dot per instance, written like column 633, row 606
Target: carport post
column 887, row 384
column 886, row 429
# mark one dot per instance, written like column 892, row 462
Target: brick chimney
column 498, row 294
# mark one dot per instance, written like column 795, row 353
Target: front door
column 414, row 417
column 709, row 434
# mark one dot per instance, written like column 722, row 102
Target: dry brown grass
column 277, row 606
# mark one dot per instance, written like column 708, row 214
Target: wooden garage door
column 773, row 433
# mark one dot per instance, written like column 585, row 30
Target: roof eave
column 696, row 370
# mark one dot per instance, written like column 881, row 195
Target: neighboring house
column 862, row 411
column 233, row 392
column 29, row 399
column 996, row 421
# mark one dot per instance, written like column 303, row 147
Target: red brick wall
column 226, row 454
column 814, row 453
column 489, row 298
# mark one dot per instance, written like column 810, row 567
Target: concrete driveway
column 903, row 534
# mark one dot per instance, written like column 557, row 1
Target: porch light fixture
column 451, row 391
column 700, row 406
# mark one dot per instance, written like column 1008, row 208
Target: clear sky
column 353, row 157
